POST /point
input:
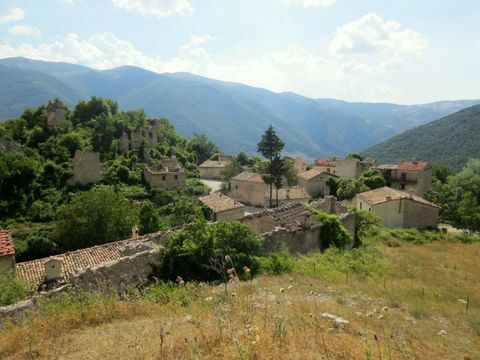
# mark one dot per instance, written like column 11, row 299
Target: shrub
column 149, row 221
column 332, row 232
column 13, row 289
column 192, row 252
column 275, row 264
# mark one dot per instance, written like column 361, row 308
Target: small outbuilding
column 223, row 207
column 214, row 169
column 314, row 181
column 399, row 209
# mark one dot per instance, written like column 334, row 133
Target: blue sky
column 358, row 50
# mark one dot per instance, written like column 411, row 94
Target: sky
column 400, row 51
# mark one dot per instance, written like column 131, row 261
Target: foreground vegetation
column 406, row 294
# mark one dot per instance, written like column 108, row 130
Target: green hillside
column 451, row 141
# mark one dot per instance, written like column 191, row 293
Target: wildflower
column 227, row 258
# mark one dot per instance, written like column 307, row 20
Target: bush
column 275, row 264
column 197, row 252
column 149, row 222
column 332, row 232
column 13, row 289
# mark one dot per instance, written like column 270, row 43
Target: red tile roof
column 34, row 271
column 408, row 165
column 6, row 243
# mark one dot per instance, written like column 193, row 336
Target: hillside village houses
column 408, row 175
column 399, row 209
column 214, row 169
column 168, row 175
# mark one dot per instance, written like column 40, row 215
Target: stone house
column 248, row 188
column 223, row 208
column 169, row 175
column 87, row 168
column 326, row 165
column 415, row 176
column 352, row 168
column 314, row 181
column 214, row 169
column 134, row 139
column 399, row 209
column 56, row 113
column 7, row 252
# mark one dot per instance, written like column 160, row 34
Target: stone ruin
column 87, row 168
column 56, row 113
column 133, row 140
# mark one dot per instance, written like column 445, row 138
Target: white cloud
column 14, row 14
column 157, row 8
column 386, row 42
column 24, row 30
column 311, row 3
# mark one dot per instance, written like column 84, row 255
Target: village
column 290, row 224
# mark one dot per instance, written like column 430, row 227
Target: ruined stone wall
column 419, row 216
column 231, row 214
column 87, row 168
column 118, row 276
column 296, row 242
column 260, row 222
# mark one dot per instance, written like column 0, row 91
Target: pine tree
column 270, row 147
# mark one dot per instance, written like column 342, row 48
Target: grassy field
column 403, row 300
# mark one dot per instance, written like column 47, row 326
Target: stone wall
column 297, row 242
column 87, row 168
column 118, row 276
column 211, row 172
column 134, row 139
column 419, row 216
column 56, row 113
column 164, row 179
column 230, row 214
column 260, row 222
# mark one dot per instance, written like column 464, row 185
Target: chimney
column 53, row 268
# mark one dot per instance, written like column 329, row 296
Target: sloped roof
column 386, row 194
column 408, row 165
column 312, row 173
column 249, row 176
column 219, row 202
column 292, row 215
column 34, row 271
column 6, row 243
column 214, row 164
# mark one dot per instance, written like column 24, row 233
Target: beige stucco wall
column 166, row 180
column 390, row 212
column 232, row 214
column 247, row 192
column 418, row 181
column 211, row 172
column 347, row 168
column 7, row 263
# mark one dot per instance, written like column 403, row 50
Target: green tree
column 233, row 168
column 87, row 110
column 94, row 217
column 149, row 221
column 270, row 146
column 203, row 148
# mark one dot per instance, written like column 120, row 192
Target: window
column 151, row 135
column 403, row 176
column 328, row 170
column 370, row 209
column 361, row 205
column 402, row 186
column 175, row 177
column 164, row 178
column 236, row 187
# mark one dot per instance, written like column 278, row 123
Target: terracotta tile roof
column 325, row 162
column 214, row 164
column 34, row 271
column 219, row 202
column 293, row 216
column 6, row 243
column 249, row 176
column 385, row 194
column 408, row 165
column 312, row 173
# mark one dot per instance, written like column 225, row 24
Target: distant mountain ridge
column 451, row 141
column 231, row 114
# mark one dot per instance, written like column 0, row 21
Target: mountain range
column 450, row 141
column 233, row 115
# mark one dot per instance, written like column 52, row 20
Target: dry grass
column 259, row 321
